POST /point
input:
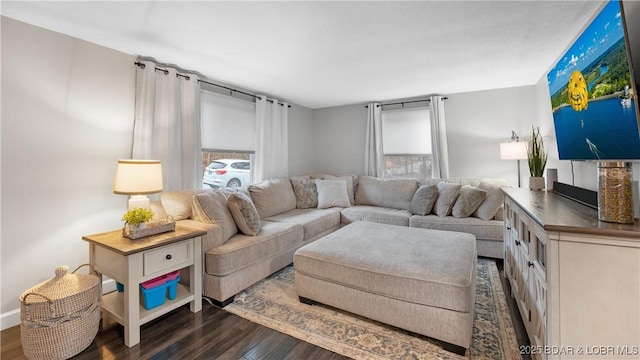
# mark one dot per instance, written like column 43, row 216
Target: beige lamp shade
column 138, row 177
column 513, row 150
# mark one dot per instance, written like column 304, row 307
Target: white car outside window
column 227, row 173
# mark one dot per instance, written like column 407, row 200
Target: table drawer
column 166, row 258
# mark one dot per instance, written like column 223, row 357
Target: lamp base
column 138, row 201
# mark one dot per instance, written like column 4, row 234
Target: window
column 228, row 140
column 406, row 141
column 227, row 170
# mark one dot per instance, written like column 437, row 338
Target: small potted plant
column 537, row 159
column 137, row 218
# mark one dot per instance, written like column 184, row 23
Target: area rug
column 273, row 303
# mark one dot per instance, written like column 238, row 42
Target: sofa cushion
column 242, row 251
column 179, row 203
column 483, row 230
column 375, row 214
column 272, row 197
column 244, row 213
column 469, row 199
column 389, row 193
column 211, row 207
column 447, row 195
column 495, row 198
column 306, row 193
column 314, row 221
column 424, row 199
column 332, row 193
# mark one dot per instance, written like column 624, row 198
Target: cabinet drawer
column 166, row 258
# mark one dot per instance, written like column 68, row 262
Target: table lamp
column 138, row 178
column 514, row 150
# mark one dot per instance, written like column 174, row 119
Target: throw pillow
column 423, row 200
column 468, row 201
column 447, row 195
column 332, row 193
column 244, row 214
column 495, row 198
column 350, row 185
column 306, row 193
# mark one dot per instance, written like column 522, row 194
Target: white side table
column 132, row 262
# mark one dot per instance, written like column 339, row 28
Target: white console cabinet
column 576, row 280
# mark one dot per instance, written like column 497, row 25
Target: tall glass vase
column 615, row 197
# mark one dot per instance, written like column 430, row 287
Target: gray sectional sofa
column 240, row 249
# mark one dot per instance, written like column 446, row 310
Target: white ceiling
column 321, row 54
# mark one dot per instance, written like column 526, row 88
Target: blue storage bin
column 172, row 287
column 153, row 297
column 119, row 287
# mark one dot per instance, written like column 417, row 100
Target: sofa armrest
column 214, row 236
column 500, row 214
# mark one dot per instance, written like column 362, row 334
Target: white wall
column 67, row 111
column 339, row 139
column 476, row 123
column 301, row 140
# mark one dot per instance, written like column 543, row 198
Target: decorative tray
column 151, row 229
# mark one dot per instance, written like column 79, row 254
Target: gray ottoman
column 416, row 279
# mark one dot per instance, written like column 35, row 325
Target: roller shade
column 406, row 131
column 227, row 123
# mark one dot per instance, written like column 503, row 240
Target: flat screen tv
column 593, row 94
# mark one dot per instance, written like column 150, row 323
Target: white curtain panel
column 167, row 124
column 272, row 139
column 373, row 153
column 439, row 138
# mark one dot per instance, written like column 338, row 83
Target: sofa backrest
column 390, row 193
column 471, row 181
column 272, row 197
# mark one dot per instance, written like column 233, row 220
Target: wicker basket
column 151, row 229
column 60, row 317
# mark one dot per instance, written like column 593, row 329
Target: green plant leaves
column 536, row 155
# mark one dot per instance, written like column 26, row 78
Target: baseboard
column 12, row 318
column 578, row 194
column 9, row 319
column 108, row 285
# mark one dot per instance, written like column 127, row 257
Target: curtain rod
column 187, row 77
column 238, row 91
column 405, row 102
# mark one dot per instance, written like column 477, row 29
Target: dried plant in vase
column 537, row 159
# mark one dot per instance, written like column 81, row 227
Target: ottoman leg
column 453, row 348
column 307, row 301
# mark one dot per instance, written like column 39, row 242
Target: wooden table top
column 116, row 242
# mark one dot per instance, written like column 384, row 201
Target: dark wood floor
column 210, row 334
